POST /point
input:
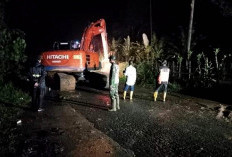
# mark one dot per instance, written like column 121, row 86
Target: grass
column 12, row 104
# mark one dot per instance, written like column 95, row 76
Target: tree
column 2, row 14
column 225, row 6
column 12, row 48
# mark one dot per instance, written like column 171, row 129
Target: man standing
column 113, row 82
column 130, row 73
column 37, row 76
column 162, row 80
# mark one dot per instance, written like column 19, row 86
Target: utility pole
column 190, row 26
column 189, row 52
column 151, row 18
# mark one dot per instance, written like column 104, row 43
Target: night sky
column 46, row 21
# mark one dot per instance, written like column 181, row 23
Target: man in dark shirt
column 162, row 80
column 37, row 76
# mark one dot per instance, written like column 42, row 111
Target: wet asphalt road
column 178, row 127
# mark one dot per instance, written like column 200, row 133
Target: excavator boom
column 96, row 28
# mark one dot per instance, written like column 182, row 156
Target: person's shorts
column 127, row 86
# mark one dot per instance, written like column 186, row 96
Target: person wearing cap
column 113, row 82
column 162, row 80
column 130, row 74
column 37, row 76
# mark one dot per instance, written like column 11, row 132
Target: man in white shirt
column 162, row 80
column 130, row 73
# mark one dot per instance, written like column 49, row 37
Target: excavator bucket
column 66, row 82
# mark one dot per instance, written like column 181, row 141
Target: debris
column 19, row 122
column 220, row 113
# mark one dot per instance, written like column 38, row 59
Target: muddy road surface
column 79, row 124
column 182, row 126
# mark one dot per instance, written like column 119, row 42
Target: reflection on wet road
column 178, row 127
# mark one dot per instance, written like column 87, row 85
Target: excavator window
column 71, row 45
column 75, row 45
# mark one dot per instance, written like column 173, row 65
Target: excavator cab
column 70, row 45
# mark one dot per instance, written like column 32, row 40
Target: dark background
column 47, row 21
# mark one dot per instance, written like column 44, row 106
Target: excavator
column 87, row 60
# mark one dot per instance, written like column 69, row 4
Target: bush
column 122, row 79
column 12, row 102
column 145, row 74
column 10, row 95
column 174, row 87
column 12, row 54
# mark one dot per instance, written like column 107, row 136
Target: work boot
column 164, row 97
column 113, row 105
column 155, row 95
column 117, row 103
column 124, row 95
column 131, row 95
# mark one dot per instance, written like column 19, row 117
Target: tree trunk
column 179, row 70
column 190, row 69
column 173, row 69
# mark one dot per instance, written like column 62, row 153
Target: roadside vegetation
column 13, row 103
column 14, row 99
column 190, row 70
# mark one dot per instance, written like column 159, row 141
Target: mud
column 79, row 124
column 61, row 130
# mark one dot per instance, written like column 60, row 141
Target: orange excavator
column 86, row 61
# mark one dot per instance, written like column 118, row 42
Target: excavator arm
column 96, row 28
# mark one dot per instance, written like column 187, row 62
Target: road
column 182, row 126
column 78, row 123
